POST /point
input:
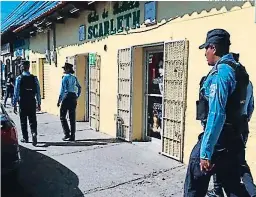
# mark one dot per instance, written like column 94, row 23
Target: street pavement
column 96, row 165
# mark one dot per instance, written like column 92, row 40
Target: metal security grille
column 41, row 76
column 124, row 61
column 34, row 67
column 46, row 81
column 94, row 94
column 174, row 98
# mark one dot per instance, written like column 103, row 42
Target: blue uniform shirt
column 219, row 84
column 69, row 84
column 16, row 96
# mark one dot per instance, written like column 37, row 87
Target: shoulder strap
column 228, row 62
column 242, row 78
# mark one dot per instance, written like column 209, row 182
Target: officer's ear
column 213, row 48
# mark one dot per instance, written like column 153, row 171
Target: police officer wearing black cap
column 27, row 94
column 221, row 98
column 68, row 100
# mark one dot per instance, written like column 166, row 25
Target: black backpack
column 237, row 99
column 27, row 88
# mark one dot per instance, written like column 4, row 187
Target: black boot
column 66, row 138
column 34, row 139
column 72, row 137
column 23, row 140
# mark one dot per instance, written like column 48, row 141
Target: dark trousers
column 28, row 112
column 245, row 174
column 68, row 105
column 244, row 169
column 9, row 94
column 226, row 165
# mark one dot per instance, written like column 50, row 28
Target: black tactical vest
column 27, row 89
column 234, row 106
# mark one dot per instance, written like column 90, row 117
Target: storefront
column 152, row 93
column 140, row 67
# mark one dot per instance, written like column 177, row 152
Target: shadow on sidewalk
column 85, row 142
column 43, row 176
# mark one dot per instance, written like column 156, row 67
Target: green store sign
column 129, row 18
column 92, row 59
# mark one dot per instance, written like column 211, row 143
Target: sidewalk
column 96, row 165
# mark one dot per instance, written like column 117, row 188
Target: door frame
column 147, row 51
column 87, row 90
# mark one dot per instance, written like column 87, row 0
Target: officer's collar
column 228, row 56
column 25, row 73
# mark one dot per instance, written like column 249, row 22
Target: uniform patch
column 213, row 89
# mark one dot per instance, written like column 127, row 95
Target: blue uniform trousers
column 226, row 167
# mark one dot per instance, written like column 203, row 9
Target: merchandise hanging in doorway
column 155, row 92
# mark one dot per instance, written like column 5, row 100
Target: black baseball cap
column 67, row 65
column 216, row 36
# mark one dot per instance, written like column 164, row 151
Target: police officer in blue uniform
column 69, row 93
column 219, row 110
column 27, row 94
column 244, row 168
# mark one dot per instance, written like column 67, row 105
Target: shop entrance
column 164, row 95
column 87, row 70
column 153, row 92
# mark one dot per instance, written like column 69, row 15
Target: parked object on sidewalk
column 27, row 93
column 10, row 153
column 68, row 101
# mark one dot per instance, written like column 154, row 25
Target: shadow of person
column 47, row 144
column 83, row 142
column 43, row 176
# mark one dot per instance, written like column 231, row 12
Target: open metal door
column 94, row 91
column 124, row 61
column 46, row 81
column 174, row 98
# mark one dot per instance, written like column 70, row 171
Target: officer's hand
column 205, row 165
column 15, row 109
column 58, row 104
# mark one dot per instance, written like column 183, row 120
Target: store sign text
column 114, row 25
